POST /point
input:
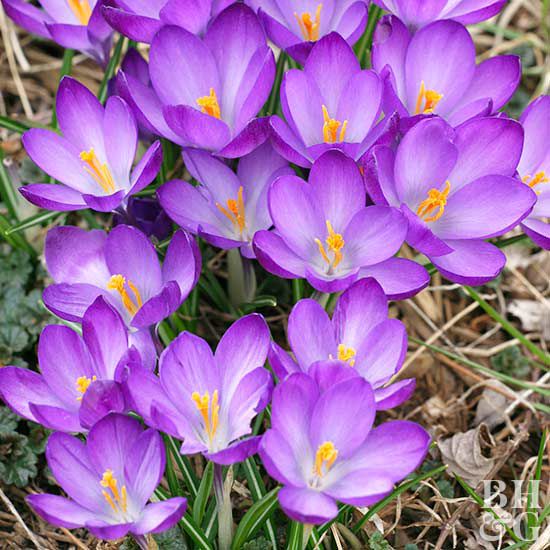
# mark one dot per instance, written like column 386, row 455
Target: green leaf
column 260, row 543
column 17, row 461
column 377, row 542
column 256, row 516
column 8, row 420
column 172, row 539
column 203, row 494
column 512, row 362
column 13, row 339
column 111, row 68
column 295, row 536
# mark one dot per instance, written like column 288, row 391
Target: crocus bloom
column 140, row 20
column 326, row 234
column 296, row 26
column 418, row 13
column 207, row 399
column 76, row 24
column 80, row 374
column 534, row 168
column 360, row 339
column 94, row 156
column 435, row 71
column 456, row 188
column 332, row 103
column 226, row 209
column 208, row 91
column 121, row 266
column 109, row 480
column 322, row 446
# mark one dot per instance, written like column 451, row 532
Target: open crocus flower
column 332, row 103
column 76, row 24
column 435, row 72
column 226, row 209
column 534, row 168
column 94, row 156
column 140, row 20
column 109, row 480
column 121, row 266
column 81, row 375
column 418, row 13
column 208, row 400
column 296, row 26
column 210, row 90
column 456, row 189
column 360, row 339
column 322, row 446
column 326, row 234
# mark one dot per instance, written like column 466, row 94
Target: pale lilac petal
column 160, row 516
column 60, row 511
column 70, row 301
column 361, row 487
column 307, row 505
column 279, row 460
column 276, row 257
column 53, row 197
column 395, row 394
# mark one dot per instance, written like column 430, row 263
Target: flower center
column 81, row 9
column 347, row 355
column 532, row 182
column 324, row 458
column 117, row 499
column 433, row 207
column 235, row 211
column 331, row 126
column 100, row 172
column 119, row 283
column 209, row 104
column 308, row 26
column 82, row 384
column 427, row 100
column 209, row 409
column 335, row 243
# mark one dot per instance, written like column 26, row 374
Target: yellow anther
column 308, row 26
column 209, row 104
column 436, row 201
column 235, row 211
column 209, row 410
column 538, row 179
column 346, row 354
column 100, row 172
column 427, row 100
column 335, row 243
column 118, row 500
column 325, row 457
column 81, row 9
column 119, row 283
column 82, row 385
column 331, row 126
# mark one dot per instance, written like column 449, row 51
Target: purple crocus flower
column 435, row 72
column 76, row 24
column 456, row 188
column 296, row 26
column 140, row 20
column 323, row 448
column 81, row 375
column 94, row 156
column 109, row 480
column 207, row 92
column 418, row 13
column 534, row 168
column 332, row 103
column 121, row 266
column 206, row 399
column 326, row 234
column 226, row 209
column 360, row 339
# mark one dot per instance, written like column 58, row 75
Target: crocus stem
column 242, row 279
column 321, row 297
column 141, row 541
column 225, row 513
column 308, row 528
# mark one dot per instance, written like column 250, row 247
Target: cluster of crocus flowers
column 76, row 24
column 93, row 157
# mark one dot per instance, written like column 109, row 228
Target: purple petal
column 182, row 262
column 275, row 256
column 307, row 505
column 136, row 27
column 70, row 301
column 472, row 262
column 538, row 231
column 536, row 123
column 394, row 395
column 287, row 143
column 310, row 333
column 104, row 204
column 254, row 134
column 147, row 168
column 28, row 16
column 281, row 362
column 236, row 452
column 101, row 398
column 56, row 418
column 158, row 307
column 420, row 235
column 361, row 487
column 60, row 511
column 279, row 460
column 53, row 197
column 160, row 516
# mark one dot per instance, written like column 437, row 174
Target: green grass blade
column 7, row 191
column 365, row 42
column 111, row 68
column 295, row 536
column 203, row 494
column 37, row 219
column 66, row 68
column 182, row 462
